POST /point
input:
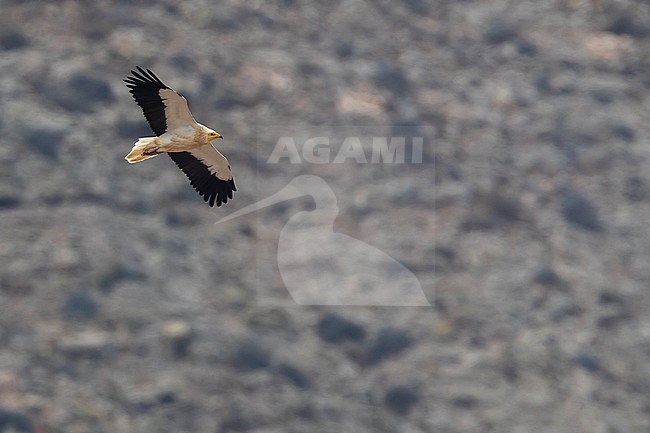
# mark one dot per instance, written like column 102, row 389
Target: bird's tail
column 145, row 148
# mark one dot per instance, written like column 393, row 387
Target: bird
column 321, row 267
column 187, row 142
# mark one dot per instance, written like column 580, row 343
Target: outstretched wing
column 208, row 171
column 163, row 108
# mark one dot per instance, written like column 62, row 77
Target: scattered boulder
column 567, row 311
column 390, row 342
column 151, row 394
column 14, row 421
column 344, row 50
column 177, row 334
column 80, row 305
column 119, row 273
column 251, row 355
column 548, row 277
column 623, row 132
column 12, row 39
column 45, row 141
column 491, row 210
column 419, row 7
column 609, row 297
column 464, row 402
column 270, row 319
column 184, row 62
column 181, row 217
column 579, row 212
column 9, row 201
column 82, row 92
column 602, row 97
column 89, row 344
column 334, row 328
column 500, row 32
column 391, row 78
column 91, row 87
column 589, row 362
column 626, row 25
column 526, row 48
column 635, row 189
column 133, row 129
column 612, row 320
column 401, row 399
column 295, row 376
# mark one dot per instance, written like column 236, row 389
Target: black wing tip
column 143, row 76
column 145, row 88
column 213, row 190
column 221, row 193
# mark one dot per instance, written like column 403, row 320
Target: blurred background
column 124, row 308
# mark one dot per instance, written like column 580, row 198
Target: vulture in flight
column 186, row 141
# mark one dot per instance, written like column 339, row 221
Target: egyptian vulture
column 185, row 140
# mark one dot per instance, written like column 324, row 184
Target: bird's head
column 213, row 134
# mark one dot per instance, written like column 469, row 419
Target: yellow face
column 213, row 134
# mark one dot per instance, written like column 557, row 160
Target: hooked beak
column 287, row 193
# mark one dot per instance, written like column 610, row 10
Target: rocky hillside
column 123, row 307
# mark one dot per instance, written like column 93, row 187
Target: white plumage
column 179, row 135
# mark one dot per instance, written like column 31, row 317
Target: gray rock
column 15, row 421
column 82, row 92
column 419, row 7
column 602, row 97
column 500, row 32
column 526, row 48
column 401, row 399
column 609, row 297
column 45, row 141
column 467, row 402
column 623, row 132
column 626, row 25
column 547, row 277
column 12, row 39
column 90, row 87
column 334, row 328
column 344, row 50
column 579, row 212
column 120, row 273
column 294, row 375
column 251, row 355
column 635, row 189
column 80, row 305
column 589, row 362
column 391, row 78
column 9, row 201
column 178, row 337
column 90, row 344
column 389, row 343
